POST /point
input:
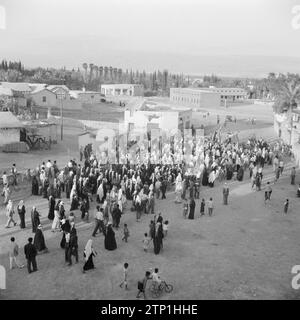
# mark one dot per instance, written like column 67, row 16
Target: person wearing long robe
column 192, row 209
column 240, row 174
column 205, row 177
column 65, row 227
column 35, row 219
column 45, row 189
column 110, row 240
column 51, row 208
column 88, row 254
column 74, row 202
column 39, row 240
column 158, row 238
column 21, row 211
column 35, row 186
column 229, row 172
column 225, row 194
column 178, row 188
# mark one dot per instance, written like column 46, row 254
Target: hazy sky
column 74, row 31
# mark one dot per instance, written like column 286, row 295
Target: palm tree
column 101, row 72
column 105, row 73
column 287, row 90
column 91, row 65
column 111, row 73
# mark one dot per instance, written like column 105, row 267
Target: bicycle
column 157, row 290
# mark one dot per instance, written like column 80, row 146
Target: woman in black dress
column 110, row 240
column 21, row 211
column 39, row 240
column 158, row 238
column 51, row 208
column 192, row 209
column 88, row 254
column 35, row 186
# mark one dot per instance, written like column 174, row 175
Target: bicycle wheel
column 168, row 288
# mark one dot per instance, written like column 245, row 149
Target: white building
column 206, row 97
column 195, row 98
column 89, row 97
column 10, row 127
column 122, row 89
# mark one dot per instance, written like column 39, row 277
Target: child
column 126, row 233
column 165, row 228
column 125, row 275
column 202, row 208
column 286, row 206
column 146, row 242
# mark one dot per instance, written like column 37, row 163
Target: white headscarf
column 88, row 249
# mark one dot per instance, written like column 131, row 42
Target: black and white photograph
column 149, row 151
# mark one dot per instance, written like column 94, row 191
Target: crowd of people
column 135, row 187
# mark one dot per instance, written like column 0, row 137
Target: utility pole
column 61, row 120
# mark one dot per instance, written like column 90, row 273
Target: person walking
column 99, row 221
column 89, row 253
column 13, row 251
column 30, row 254
column 142, row 285
column 225, row 194
column 210, row 207
column 293, row 175
column 286, row 206
column 125, row 276
column 10, row 211
column 21, row 211
column 202, row 208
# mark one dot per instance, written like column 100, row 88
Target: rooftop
column 8, row 120
column 16, row 86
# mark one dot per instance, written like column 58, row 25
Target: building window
column 44, row 99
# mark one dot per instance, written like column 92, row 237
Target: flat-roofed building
column 195, row 98
column 122, row 89
column 206, row 97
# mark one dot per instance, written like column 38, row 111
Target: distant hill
column 72, row 52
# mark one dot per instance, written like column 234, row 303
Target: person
column 286, row 206
column 281, row 166
column 51, row 208
column 39, row 240
column 165, row 228
column 146, row 242
column 202, row 208
column 35, row 186
column 110, row 240
column 84, row 210
column 210, row 206
column 6, row 193
column 225, row 194
column 10, row 211
column 156, row 278
column 192, row 209
column 268, row 192
column 88, row 254
column 178, row 188
column 14, row 175
column 158, row 237
column 125, row 233
column 125, row 276
column 73, row 244
column 117, row 213
column 99, row 221
column 293, row 175
column 143, row 284
column 35, row 219
column 65, row 227
column 21, row 211
column 185, row 208
column 151, row 203
column 13, row 251
column 30, row 254
column 67, row 248
column 56, row 222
